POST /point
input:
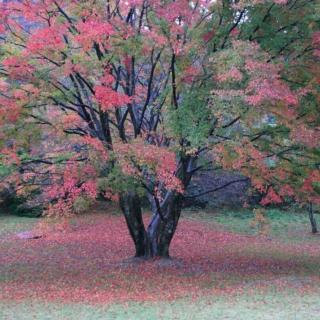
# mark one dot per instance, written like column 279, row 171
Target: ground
column 221, row 268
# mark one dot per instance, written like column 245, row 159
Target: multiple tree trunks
column 153, row 241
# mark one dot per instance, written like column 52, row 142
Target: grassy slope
column 289, row 294
column 287, row 226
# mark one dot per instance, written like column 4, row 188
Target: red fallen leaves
column 88, row 263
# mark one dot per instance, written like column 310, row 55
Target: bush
column 18, row 205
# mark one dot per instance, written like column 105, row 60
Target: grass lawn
column 222, row 269
column 287, row 226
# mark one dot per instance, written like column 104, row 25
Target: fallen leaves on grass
column 88, row 262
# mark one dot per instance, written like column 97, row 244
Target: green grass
column 245, row 307
column 288, row 225
column 11, row 224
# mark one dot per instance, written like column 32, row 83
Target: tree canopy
column 129, row 99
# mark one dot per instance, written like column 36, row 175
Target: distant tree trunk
column 312, row 219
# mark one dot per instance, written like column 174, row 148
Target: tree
column 312, row 219
column 130, row 95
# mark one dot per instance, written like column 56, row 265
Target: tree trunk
column 156, row 240
column 163, row 226
column 131, row 208
column 312, row 219
column 168, row 229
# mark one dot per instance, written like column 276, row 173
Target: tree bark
column 131, row 208
column 163, row 226
column 168, row 229
column 313, row 222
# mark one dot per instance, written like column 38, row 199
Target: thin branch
column 218, row 188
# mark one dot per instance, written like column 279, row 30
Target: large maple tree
column 129, row 99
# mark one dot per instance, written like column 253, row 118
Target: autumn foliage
column 127, row 100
